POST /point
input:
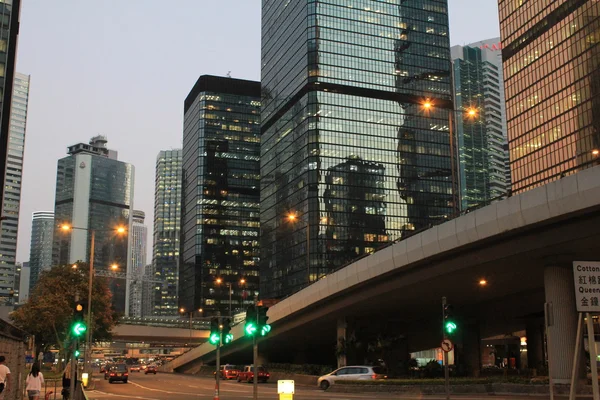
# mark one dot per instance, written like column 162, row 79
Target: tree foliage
column 49, row 312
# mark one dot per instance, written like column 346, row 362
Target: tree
column 49, row 311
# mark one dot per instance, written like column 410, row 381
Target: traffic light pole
column 218, row 373
column 73, row 369
column 88, row 343
column 446, row 370
column 255, row 356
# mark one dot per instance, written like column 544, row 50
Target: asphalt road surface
column 186, row 387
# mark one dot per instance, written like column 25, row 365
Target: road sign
column 587, row 285
column 447, row 345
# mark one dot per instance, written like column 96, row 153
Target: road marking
column 93, row 392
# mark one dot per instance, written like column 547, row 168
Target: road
column 186, row 387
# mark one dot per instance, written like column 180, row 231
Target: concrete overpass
column 158, row 334
column 523, row 246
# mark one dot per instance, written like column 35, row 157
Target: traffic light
column 449, row 322
column 77, row 353
column 227, row 336
column 263, row 326
column 251, row 326
column 215, row 333
column 78, row 328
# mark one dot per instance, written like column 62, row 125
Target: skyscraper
column 40, row 250
column 10, row 11
column 481, row 138
column 13, row 179
column 167, row 222
column 94, row 191
column 220, row 203
column 139, row 239
column 344, row 89
column 552, row 83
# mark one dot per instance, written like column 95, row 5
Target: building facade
column 11, row 201
column 552, row 84
column 345, row 89
column 23, row 287
column 139, row 240
column 220, row 205
column 481, row 138
column 167, row 223
column 40, row 250
column 9, row 31
column 94, row 191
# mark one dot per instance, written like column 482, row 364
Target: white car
column 351, row 373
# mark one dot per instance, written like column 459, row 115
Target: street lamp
column 182, row 311
column 68, row 228
column 220, row 280
column 471, row 113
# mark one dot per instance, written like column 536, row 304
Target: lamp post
column 182, row 311
column 219, row 281
column 67, row 228
column 471, row 113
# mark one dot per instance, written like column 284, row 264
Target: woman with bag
column 34, row 382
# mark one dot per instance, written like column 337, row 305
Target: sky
column 122, row 68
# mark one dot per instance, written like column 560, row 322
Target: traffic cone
column 216, row 392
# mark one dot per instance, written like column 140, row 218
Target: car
column 134, row 368
column 150, row 369
column 351, row 373
column 247, row 374
column 103, row 368
column 229, row 371
column 117, row 372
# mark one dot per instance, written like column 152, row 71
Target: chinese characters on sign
column 587, row 285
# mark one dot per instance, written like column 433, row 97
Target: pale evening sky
column 122, row 68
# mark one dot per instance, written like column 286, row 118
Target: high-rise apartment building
column 220, row 203
column 481, row 138
column 94, row 191
column 9, row 30
column 167, row 223
column 139, row 239
column 345, row 90
column 40, row 250
column 11, row 201
column 552, row 84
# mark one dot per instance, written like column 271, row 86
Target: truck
column 247, row 374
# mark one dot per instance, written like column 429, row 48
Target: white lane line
column 92, row 393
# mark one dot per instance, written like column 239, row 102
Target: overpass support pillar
column 345, row 341
column 535, row 343
column 559, row 291
column 471, row 349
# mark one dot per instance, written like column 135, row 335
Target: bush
column 433, row 369
column 304, row 369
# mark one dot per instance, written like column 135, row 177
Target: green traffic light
column 228, row 338
column 214, row 338
column 77, row 353
column 250, row 329
column 265, row 329
column 450, row 327
column 79, row 328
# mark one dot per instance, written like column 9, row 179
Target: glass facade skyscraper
column 94, row 191
column 481, row 139
column 167, row 223
column 11, row 201
column 139, row 240
column 552, row 82
column 9, row 31
column 347, row 145
column 40, row 250
column 220, row 205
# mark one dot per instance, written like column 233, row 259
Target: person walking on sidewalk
column 34, row 382
column 4, row 377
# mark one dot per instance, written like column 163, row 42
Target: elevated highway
column 522, row 246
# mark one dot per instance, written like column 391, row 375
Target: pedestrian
column 4, row 377
column 34, row 382
column 66, row 382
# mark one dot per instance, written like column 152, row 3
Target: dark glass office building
column 167, row 220
column 94, row 191
column 40, row 251
column 347, row 145
column 552, row 82
column 220, row 204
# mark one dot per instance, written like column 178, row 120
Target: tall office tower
column 10, row 11
column 481, row 138
column 345, row 95
column 552, row 81
column 94, row 192
column 12, row 180
column 167, row 222
column 139, row 239
column 148, row 291
column 40, row 250
column 220, row 202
